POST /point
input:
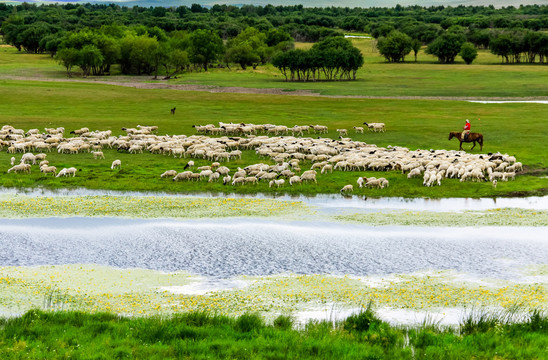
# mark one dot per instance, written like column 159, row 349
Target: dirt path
column 141, row 83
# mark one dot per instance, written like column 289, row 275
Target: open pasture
column 515, row 129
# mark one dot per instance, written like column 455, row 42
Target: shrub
column 468, row 52
column 249, row 322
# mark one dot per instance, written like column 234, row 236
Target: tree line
column 141, row 50
column 251, row 35
column 513, row 45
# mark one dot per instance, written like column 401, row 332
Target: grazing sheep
column 48, row 169
column 347, row 189
column 214, row 177
column 67, row 172
column 250, row 180
column 278, row 183
column 20, row 168
column 414, row 172
column 202, row 168
column 205, row 173
column 239, row 180
column 189, row 165
column 169, row 173
column 43, row 163
column 342, row 132
column 226, row 179
column 326, row 168
column 308, row 177
column 116, row 164
column 295, row 180
column 185, row 175
column 98, row 154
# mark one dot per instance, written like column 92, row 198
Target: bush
column 283, row 322
column 249, row 322
column 361, row 321
column 468, row 53
column 395, row 46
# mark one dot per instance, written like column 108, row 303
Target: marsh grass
column 56, row 335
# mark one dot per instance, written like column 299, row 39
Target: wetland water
column 244, row 246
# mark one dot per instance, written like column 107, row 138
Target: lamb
column 494, row 182
column 342, row 132
column 169, row 173
column 361, row 180
column 116, row 164
column 98, row 154
column 358, row 129
column 12, row 160
column 278, row 183
column 347, row 188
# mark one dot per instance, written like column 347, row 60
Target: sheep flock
column 296, row 159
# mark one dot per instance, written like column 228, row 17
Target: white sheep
column 189, row 165
column 20, row 168
column 49, row 169
column 214, row 177
column 342, row 132
column 185, row 175
column 494, row 182
column 326, row 168
column 295, row 180
column 278, row 183
column 12, row 160
column 67, row 172
column 226, row 179
column 347, row 188
column 98, row 154
column 169, row 173
column 239, row 180
column 116, row 164
column 359, row 129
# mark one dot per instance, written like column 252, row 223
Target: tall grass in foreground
column 200, row 335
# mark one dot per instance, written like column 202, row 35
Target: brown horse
column 472, row 137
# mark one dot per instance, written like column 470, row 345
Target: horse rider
column 466, row 130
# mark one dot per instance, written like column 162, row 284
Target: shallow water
column 232, row 247
column 329, row 203
column 509, row 101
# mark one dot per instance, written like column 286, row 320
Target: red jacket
column 467, row 126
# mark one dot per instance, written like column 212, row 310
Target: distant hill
column 307, row 3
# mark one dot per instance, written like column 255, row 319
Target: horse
column 472, row 137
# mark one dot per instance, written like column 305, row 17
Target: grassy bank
column 516, row 129
column 41, row 335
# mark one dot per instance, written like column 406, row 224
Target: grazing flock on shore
column 296, row 160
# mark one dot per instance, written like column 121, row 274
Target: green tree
column 468, row 52
column 90, row 59
column 206, row 46
column 395, row 46
column 501, row 45
column 446, row 47
column 68, row 57
column 248, row 48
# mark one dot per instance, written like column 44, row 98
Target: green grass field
column 486, row 77
column 516, row 129
column 60, row 335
